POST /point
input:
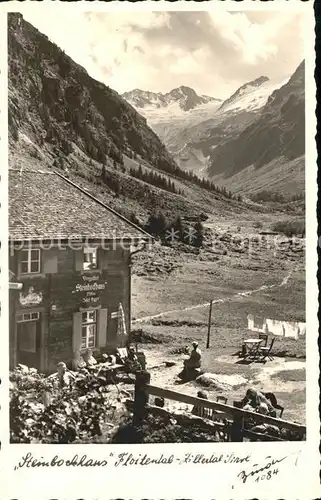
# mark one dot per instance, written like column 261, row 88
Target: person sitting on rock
column 193, row 362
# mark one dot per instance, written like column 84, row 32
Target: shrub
column 161, row 430
column 199, row 234
column 133, row 218
column 73, row 413
column 290, row 228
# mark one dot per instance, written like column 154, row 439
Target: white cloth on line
column 302, row 329
column 275, row 326
column 250, row 325
column 288, row 329
column 291, row 330
column 250, row 322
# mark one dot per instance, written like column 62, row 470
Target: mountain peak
column 185, row 89
column 183, row 96
column 247, row 89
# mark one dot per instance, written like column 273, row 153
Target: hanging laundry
column 258, row 322
column 291, row 330
column 301, row 329
column 275, row 326
column 288, row 329
column 251, row 322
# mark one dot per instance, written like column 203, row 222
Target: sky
column 213, row 52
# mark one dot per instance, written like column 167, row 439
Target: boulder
column 221, row 382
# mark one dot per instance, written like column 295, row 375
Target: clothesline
column 287, row 329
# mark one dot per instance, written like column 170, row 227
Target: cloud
column 214, row 52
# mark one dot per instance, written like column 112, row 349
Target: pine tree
column 199, row 236
column 178, row 226
column 103, row 173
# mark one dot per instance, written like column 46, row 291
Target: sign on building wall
column 90, row 288
column 30, row 298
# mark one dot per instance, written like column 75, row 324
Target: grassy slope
column 195, row 281
column 271, row 177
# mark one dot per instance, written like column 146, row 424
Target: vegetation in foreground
column 42, row 412
column 157, row 429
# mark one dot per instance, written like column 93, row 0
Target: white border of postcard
column 298, row 475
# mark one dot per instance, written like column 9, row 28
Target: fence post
column 141, row 396
column 209, row 325
column 237, row 428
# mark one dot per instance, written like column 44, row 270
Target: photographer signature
column 265, row 471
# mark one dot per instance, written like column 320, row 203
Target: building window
column 90, row 259
column 30, row 261
column 88, row 330
column 22, row 318
column 27, row 331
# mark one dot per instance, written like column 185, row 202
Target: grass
column 291, row 375
column 195, row 282
column 294, row 404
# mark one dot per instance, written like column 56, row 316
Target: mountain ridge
column 186, row 98
column 242, row 89
column 216, row 141
column 278, row 131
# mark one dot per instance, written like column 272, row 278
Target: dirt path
column 227, row 299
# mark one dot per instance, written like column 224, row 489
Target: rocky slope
column 54, row 100
column 275, row 139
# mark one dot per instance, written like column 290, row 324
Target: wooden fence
column 224, row 412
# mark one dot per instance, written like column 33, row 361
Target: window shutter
column 79, row 260
column 76, row 335
column 50, row 262
column 102, row 331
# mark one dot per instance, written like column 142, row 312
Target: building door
column 29, row 339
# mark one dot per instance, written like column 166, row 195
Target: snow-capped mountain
column 185, row 98
column 251, row 96
column 200, row 132
column 268, row 154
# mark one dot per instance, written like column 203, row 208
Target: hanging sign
column 31, row 298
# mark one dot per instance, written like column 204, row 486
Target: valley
column 225, row 141
column 171, row 293
column 182, row 166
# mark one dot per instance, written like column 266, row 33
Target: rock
column 168, row 364
column 221, row 382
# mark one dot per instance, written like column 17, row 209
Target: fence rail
column 143, row 389
column 221, row 407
